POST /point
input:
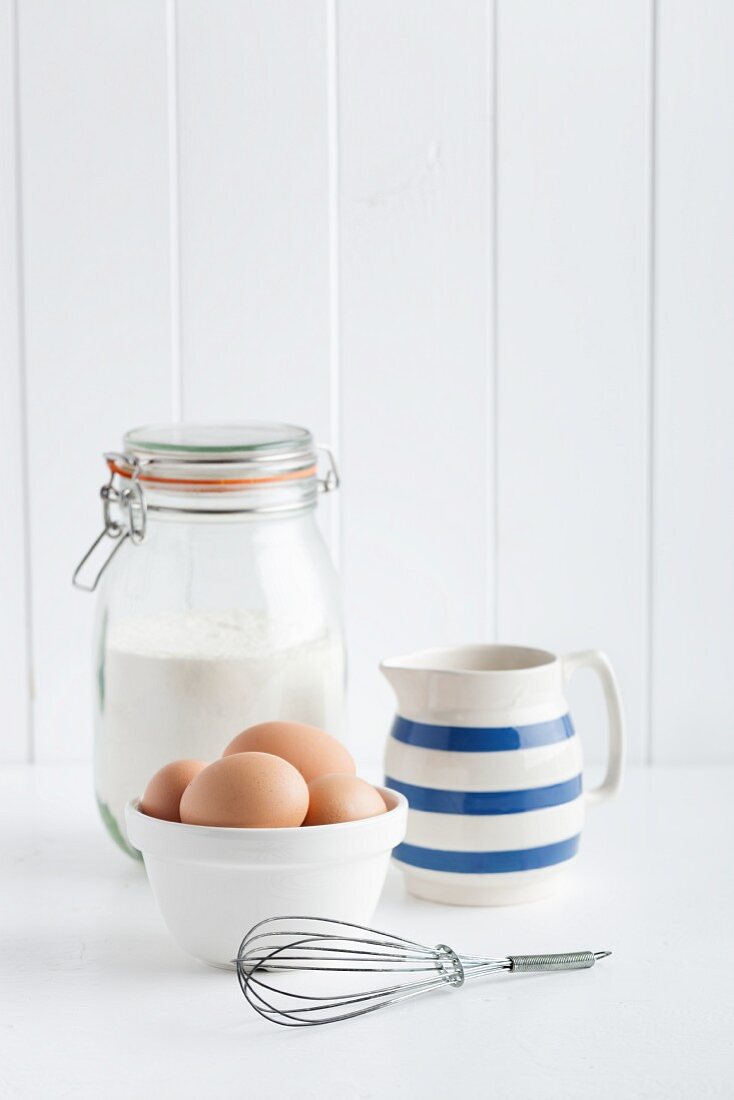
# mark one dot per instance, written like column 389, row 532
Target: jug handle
column 599, row 662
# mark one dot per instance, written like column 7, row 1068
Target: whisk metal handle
column 571, row 960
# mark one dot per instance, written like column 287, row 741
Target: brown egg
column 248, row 790
column 311, row 750
column 163, row 793
column 334, row 798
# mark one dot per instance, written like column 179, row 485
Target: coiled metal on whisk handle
column 279, row 953
column 571, row 960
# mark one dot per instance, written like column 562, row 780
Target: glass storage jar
column 217, row 602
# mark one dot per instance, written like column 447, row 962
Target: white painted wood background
column 485, row 247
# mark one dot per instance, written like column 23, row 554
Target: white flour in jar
column 174, row 686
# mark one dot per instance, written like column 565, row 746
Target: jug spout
column 396, row 674
column 410, row 677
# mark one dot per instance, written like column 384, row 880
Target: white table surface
column 96, row 1001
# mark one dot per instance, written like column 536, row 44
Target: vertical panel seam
column 494, row 420
column 23, row 386
column 650, row 364
column 335, row 411
column 174, row 209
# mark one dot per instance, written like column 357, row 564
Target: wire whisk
column 284, row 965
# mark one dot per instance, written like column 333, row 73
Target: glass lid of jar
column 185, row 458
column 202, row 441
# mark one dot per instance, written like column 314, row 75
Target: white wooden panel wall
column 414, row 133
column 254, row 211
column 485, row 247
column 16, row 742
column 573, row 236
column 97, row 330
column 693, row 595
column 253, row 170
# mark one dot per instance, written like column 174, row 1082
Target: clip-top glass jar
column 217, row 603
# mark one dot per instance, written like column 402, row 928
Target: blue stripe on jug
column 480, row 738
column 486, row 802
column 479, row 863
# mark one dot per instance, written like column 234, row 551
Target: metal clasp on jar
column 132, row 518
column 331, row 481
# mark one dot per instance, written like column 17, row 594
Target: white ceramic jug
column 484, row 749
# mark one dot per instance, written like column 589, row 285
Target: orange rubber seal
column 221, row 482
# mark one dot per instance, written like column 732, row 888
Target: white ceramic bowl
column 213, row 884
